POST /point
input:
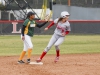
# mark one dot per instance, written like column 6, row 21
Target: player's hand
column 23, row 38
column 46, row 29
column 63, row 34
column 47, row 17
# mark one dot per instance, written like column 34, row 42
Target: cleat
column 21, row 62
column 28, row 60
column 38, row 60
column 56, row 59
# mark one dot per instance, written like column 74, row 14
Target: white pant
column 27, row 43
column 55, row 40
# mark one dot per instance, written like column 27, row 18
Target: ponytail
column 59, row 19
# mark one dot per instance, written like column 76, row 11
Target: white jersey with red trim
column 61, row 27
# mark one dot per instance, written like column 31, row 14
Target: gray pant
column 56, row 40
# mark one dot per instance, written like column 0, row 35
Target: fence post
column 92, row 1
column 68, row 2
column 86, row 1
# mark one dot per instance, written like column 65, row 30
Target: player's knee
column 25, row 50
column 47, row 49
column 56, row 45
column 31, row 46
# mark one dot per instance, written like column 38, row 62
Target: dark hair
column 59, row 19
column 30, row 14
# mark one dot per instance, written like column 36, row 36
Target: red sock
column 57, row 52
column 43, row 54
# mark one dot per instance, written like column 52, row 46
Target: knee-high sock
column 57, row 53
column 29, row 53
column 42, row 55
column 22, row 55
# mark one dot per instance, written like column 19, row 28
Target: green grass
column 13, row 45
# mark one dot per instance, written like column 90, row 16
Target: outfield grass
column 13, row 45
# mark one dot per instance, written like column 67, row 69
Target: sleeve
column 23, row 29
column 68, row 28
column 51, row 24
column 40, row 25
column 54, row 22
column 25, row 23
column 67, row 32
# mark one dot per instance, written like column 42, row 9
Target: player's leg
column 23, row 53
column 57, row 51
column 58, row 42
column 50, row 44
column 30, row 46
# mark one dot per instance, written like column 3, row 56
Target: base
column 36, row 63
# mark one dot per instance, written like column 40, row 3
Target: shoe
column 38, row 60
column 28, row 60
column 21, row 62
column 56, row 59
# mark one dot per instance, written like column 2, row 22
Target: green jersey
column 30, row 24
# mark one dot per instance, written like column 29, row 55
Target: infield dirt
column 69, row 64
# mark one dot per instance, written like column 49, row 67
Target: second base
column 37, row 63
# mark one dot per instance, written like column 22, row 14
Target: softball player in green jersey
column 26, row 34
column 62, row 29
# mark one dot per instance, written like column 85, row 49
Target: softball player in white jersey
column 62, row 29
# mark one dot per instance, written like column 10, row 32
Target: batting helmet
column 64, row 14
